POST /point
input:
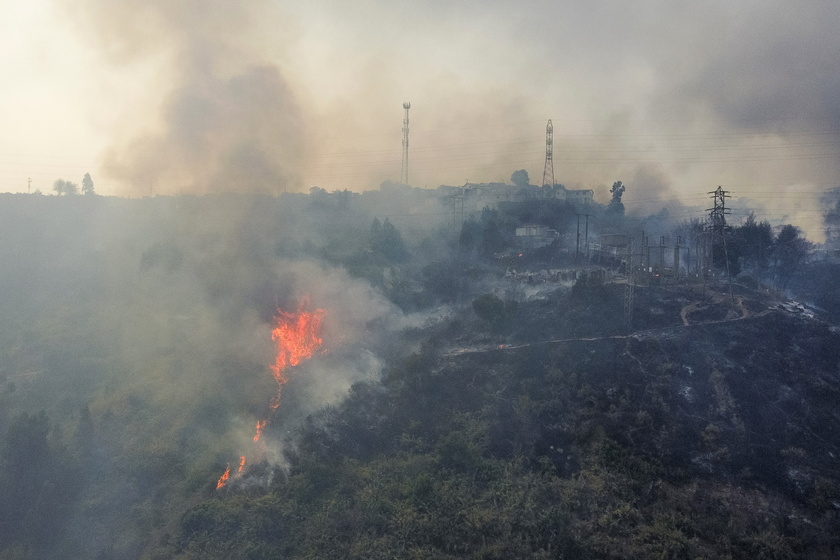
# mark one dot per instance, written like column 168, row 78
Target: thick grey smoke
column 741, row 95
column 236, row 133
column 772, row 71
column 221, row 115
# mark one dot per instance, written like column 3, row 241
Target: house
column 535, row 236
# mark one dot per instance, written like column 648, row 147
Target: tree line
column 69, row 188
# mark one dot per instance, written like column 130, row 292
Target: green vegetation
column 540, row 453
column 507, row 418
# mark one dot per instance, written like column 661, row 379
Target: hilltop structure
column 478, row 196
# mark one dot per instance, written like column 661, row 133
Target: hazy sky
column 674, row 98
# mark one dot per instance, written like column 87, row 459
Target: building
column 535, row 236
column 475, row 197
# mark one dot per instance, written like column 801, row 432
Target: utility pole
column 661, row 255
column 404, row 171
column 461, row 200
column 586, row 234
column 628, row 290
column 458, row 208
column 29, row 186
column 677, row 248
column 586, row 252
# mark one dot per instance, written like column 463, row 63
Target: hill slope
column 715, row 439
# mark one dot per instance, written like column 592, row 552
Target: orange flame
column 296, row 337
column 260, row 425
column 224, row 478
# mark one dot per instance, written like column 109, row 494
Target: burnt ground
column 547, row 430
column 735, row 396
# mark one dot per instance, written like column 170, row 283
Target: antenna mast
column 548, row 171
column 404, row 171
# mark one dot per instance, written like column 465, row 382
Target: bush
column 496, row 312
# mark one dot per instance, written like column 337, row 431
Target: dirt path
column 686, row 310
column 700, row 305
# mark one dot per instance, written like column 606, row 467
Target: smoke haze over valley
column 186, row 97
column 136, row 356
column 244, row 338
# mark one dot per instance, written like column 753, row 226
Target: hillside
column 444, row 408
column 715, row 439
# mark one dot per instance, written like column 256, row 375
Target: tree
column 386, row 240
column 65, row 187
column 87, row 184
column 616, row 207
column 755, row 242
column 492, row 239
column 520, row 178
column 393, row 246
column 39, row 486
column 488, row 307
column 496, row 312
column 726, row 254
column 392, row 242
column 831, row 219
column 789, row 250
column 470, row 235
column 376, row 235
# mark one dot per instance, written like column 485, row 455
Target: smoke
column 236, row 134
column 224, row 291
column 359, row 325
column 220, row 115
column 257, row 98
column 772, row 71
column 649, row 189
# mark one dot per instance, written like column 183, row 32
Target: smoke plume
column 220, row 115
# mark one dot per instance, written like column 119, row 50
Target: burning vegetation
column 296, row 336
column 483, row 395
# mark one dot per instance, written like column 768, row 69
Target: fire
column 296, row 337
column 224, row 478
column 260, row 425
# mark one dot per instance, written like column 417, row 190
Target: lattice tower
column 548, row 170
column 404, row 171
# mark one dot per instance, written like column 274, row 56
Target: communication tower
column 548, row 170
column 404, row 171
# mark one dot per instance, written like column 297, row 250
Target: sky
column 674, row 98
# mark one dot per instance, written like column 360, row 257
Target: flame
column 296, row 337
column 260, row 425
column 224, row 478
